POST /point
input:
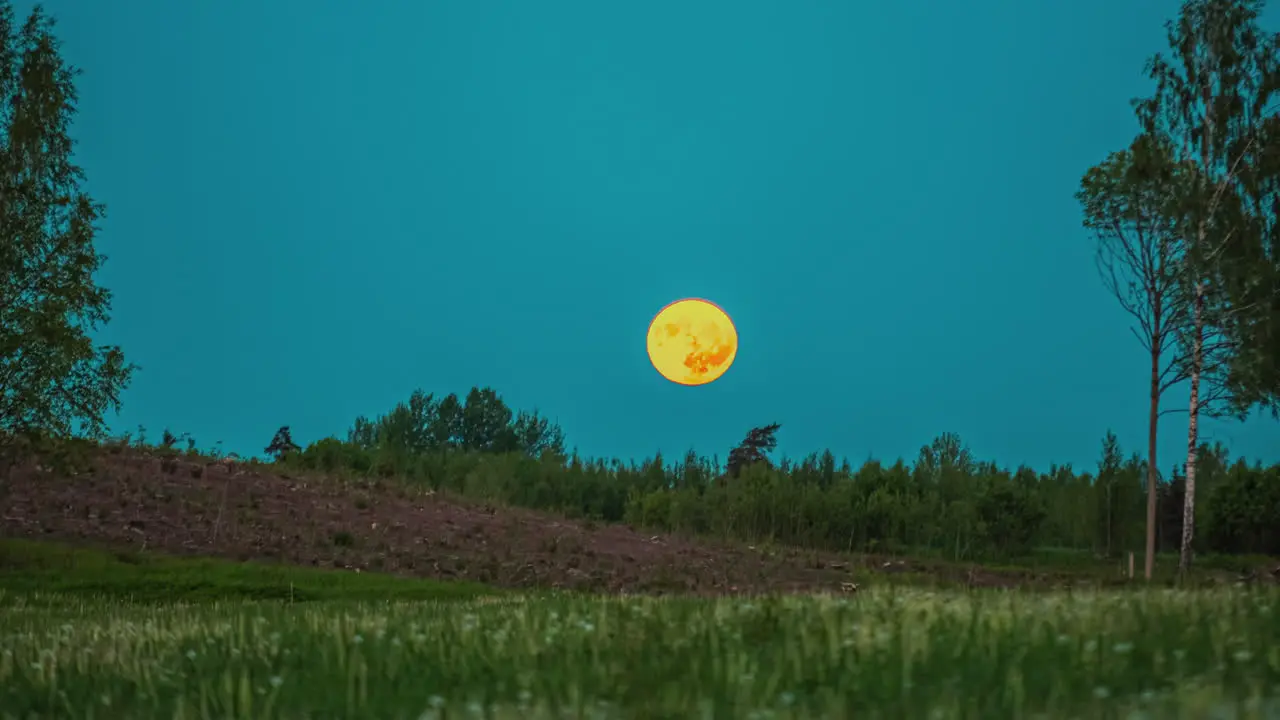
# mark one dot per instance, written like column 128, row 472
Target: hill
column 141, row 501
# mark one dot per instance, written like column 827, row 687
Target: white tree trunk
column 1197, row 355
column 1193, row 407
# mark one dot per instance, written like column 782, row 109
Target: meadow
column 174, row 588
column 888, row 652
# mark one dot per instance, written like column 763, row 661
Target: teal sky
column 316, row 207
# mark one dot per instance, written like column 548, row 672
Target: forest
column 945, row 502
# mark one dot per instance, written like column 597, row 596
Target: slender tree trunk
column 1153, row 418
column 1197, row 360
column 1193, row 407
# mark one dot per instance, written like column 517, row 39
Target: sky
column 315, row 208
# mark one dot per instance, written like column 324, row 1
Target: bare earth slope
column 184, row 506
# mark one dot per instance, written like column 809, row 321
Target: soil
column 185, row 506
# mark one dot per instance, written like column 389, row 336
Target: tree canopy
column 53, row 378
column 1215, row 105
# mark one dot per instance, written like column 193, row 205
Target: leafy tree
column 363, row 433
column 695, row 473
column 1249, row 274
column 536, row 435
column 483, row 423
column 446, row 429
column 1245, row 511
column 753, row 449
column 52, row 377
column 407, row 428
column 1210, row 105
column 1011, row 515
column 1131, row 203
column 486, row 422
column 1108, row 480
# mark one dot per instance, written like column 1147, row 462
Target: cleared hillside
column 182, row 505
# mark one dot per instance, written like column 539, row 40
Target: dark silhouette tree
column 168, row 439
column 52, row 377
column 753, row 449
column 281, row 444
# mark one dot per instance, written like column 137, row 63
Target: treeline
column 946, row 502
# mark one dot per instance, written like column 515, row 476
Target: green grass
column 38, row 567
column 94, row 634
column 1084, row 566
column 889, row 653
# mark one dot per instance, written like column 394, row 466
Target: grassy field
column 54, row 568
column 110, row 643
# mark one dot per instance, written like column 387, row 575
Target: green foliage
column 481, row 423
column 52, row 377
column 330, row 454
column 1131, row 206
column 1244, row 510
column 1186, row 221
column 28, row 567
column 1214, row 105
column 947, row 504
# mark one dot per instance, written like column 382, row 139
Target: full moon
column 692, row 342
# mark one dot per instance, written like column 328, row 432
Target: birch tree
column 1212, row 98
column 53, row 379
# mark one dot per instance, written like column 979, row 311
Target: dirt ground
column 182, row 506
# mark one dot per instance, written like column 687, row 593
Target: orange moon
column 692, row 342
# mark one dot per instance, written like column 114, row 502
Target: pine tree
column 753, row 448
